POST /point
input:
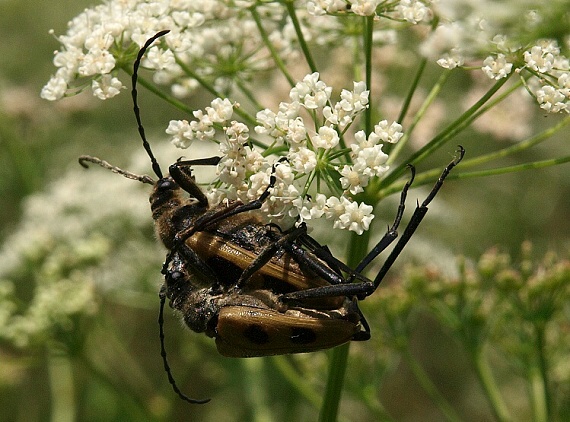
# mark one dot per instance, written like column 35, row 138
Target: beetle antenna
column 84, row 159
column 165, row 361
column 134, row 94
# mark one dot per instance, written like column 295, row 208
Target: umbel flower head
column 311, row 130
column 322, row 161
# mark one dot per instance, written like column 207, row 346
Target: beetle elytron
column 256, row 289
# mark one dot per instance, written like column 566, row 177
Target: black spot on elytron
column 256, row 334
column 302, row 335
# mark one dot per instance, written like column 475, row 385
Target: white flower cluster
column 311, row 129
column 454, row 43
column 412, row 11
column 205, row 35
column 552, row 89
column 68, row 250
column 216, row 40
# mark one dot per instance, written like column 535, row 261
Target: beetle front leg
column 417, row 218
column 209, row 220
column 181, row 172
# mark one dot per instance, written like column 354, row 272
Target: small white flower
column 311, row 92
column 303, row 160
column 388, row 133
column 354, row 101
column 551, row 99
column 364, row 7
column 497, row 67
column 371, row 161
column 237, row 134
column 452, row 59
column 564, row 84
column 106, row 87
column 322, row 7
column 254, row 161
column 221, row 110
column 182, row 134
column 539, row 59
column 54, row 89
column 335, row 207
column 266, row 123
column 231, row 171
column 95, row 62
column 202, row 127
column 327, row 138
column 353, row 180
column 296, row 132
column 159, row 59
column 356, row 217
column 413, row 11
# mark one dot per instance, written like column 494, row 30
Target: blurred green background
column 116, row 371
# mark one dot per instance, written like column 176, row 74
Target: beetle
column 257, row 289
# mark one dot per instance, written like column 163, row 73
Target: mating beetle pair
column 256, row 289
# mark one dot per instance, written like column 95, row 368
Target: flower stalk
column 321, row 136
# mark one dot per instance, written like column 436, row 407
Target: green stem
column 335, row 381
column 368, row 33
column 239, row 111
column 491, row 389
column 278, row 61
column 358, row 247
column 61, row 387
column 134, row 405
column 444, row 136
column 539, row 380
column 429, row 387
column 412, row 90
column 302, row 42
column 518, row 147
column 429, row 177
column 161, row 94
column 248, row 94
column 538, row 395
column 511, row 169
column 256, row 391
column 419, row 115
column 296, row 380
column 26, row 167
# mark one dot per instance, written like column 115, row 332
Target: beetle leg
column 324, row 253
column 266, row 254
column 197, row 265
column 364, row 289
column 209, row 220
column 417, row 217
column 181, row 172
column 392, row 232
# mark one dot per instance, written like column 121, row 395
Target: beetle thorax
column 172, row 210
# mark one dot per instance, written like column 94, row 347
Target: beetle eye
column 165, row 184
column 174, row 276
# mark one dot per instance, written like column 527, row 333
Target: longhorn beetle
column 257, row 289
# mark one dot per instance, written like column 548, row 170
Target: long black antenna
column 134, row 94
column 165, row 361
